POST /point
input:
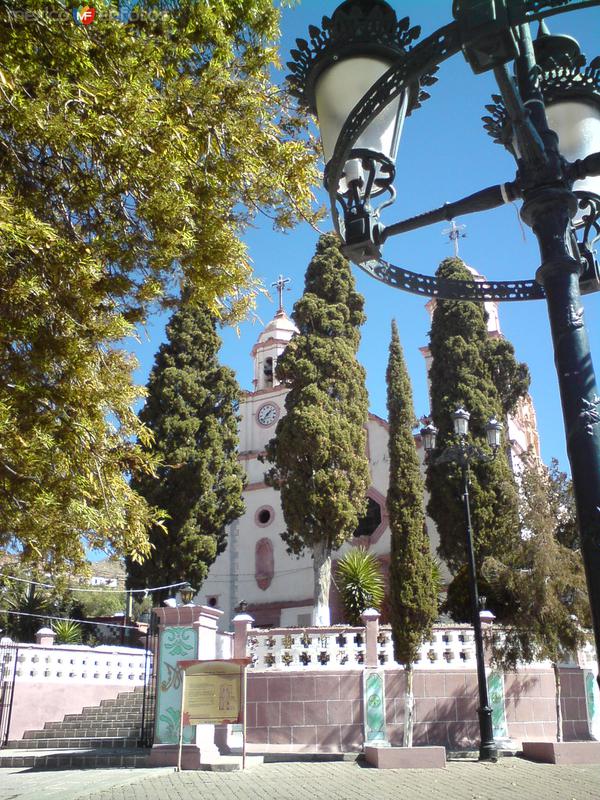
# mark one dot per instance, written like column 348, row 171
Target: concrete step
column 92, row 723
column 93, row 731
column 129, row 709
column 130, row 716
column 112, row 742
column 74, row 759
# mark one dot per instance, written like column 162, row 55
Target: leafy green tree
column 192, row 412
column 562, row 506
column 318, row 451
column 360, row 581
column 100, row 603
column 134, row 153
column 413, row 581
column 472, row 370
column 546, row 580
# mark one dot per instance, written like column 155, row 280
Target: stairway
column 100, row 736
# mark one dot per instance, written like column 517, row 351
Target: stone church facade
column 255, row 567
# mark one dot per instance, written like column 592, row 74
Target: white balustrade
column 451, row 647
column 310, row 648
column 587, row 658
column 77, row 664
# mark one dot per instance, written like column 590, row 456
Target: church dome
column 281, row 327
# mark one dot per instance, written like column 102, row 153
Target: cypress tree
column 481, row 374
column 318, row 452
column 413, row 586
column 191, row 411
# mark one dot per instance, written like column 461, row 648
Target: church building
column 255, row 567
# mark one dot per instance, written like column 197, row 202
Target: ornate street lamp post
column 547, row 114
column 464, row 453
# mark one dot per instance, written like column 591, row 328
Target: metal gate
column 150, row 684
column 9, row 652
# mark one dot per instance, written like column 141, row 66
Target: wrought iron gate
column 9, row 652
column 150, row 684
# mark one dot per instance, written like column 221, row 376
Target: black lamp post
column 362, row 73
column 463, row 453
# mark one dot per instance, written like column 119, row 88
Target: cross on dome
column 280, row 284
column 454, row 233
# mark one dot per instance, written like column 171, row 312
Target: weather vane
column 454, row 233
column 280, row 286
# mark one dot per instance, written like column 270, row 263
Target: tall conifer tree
column 318, row 451
column 413, row 586
column 481, row 374
column 192, row 411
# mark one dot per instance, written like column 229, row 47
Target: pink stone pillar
column 203, row 620
column 242, row 623
column 45, row 637
column 370, row 617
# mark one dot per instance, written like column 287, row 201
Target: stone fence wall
column 53, row 680
column 307, row 689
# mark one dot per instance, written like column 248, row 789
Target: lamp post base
column 487, row 749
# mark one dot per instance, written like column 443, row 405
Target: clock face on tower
column 268, row 414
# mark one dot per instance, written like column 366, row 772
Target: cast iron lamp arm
column 463, row 454
column 486, row 199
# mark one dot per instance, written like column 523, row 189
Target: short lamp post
column 187, row 592
column 464, row 453
column 363, row 72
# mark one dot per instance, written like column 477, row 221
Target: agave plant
column 28, row 606
column 67, row 631
column 360, row 582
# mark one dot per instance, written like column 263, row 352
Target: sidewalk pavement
column 511, row 778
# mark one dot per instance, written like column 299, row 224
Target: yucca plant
column 360, row 582
column 29, row 605
column 67, row 631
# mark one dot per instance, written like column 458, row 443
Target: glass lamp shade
column 337, row 91
column 493, row 432
column 460, row 420
column 428, row 437
column 577, row 124
column 187, row 593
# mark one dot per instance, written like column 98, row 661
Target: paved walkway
column 461, row 780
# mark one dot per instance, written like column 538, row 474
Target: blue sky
column 444, row 154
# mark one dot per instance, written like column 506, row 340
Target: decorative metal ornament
column 430, row 286
column 589, row 414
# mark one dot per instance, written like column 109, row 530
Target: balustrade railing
column 342, row 647
column 73, row 664
column 294, row 648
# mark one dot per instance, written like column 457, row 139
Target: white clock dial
column 268, row 414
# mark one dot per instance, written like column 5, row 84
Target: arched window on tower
column 368, row 524
column 268, row 371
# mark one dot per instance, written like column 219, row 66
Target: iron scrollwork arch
column 430, row 286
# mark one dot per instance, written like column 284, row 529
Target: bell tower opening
column 268, row 371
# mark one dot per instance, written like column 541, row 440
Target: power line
column 68, row 619
column 95, row 589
